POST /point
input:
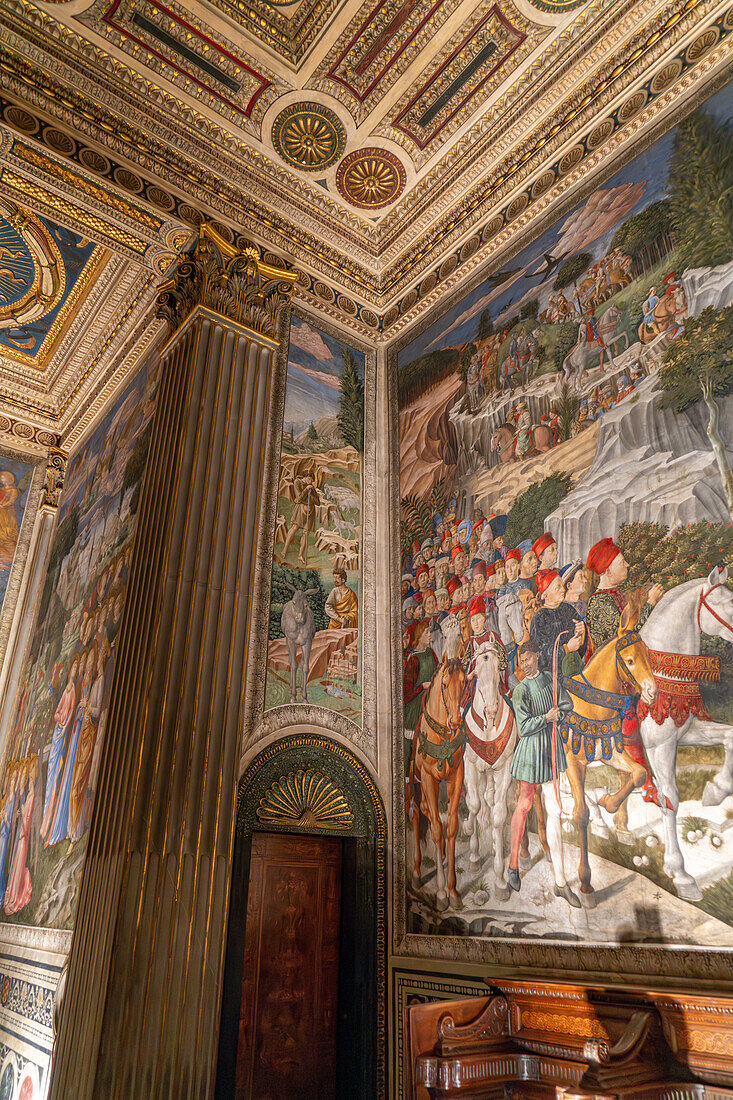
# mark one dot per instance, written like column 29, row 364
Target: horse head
column 511, row 617
column 452, row 679
column 715, row 605
column 633, row 664
column 489, row 661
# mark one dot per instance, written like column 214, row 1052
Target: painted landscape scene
column 566, row 542
column 314, row 649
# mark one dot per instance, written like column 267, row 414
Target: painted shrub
column 566, row 527
column 313, row 654
column 53, row 752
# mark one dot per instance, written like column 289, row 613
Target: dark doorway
column 287, row 1025
column 294, row 762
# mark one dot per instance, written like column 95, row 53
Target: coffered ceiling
column 387, row 148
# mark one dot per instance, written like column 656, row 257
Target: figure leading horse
column 437, row 757
column 593, row 731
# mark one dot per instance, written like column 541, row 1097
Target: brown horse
column 664, row 313
column 437, row 756
column 592, row 731
column 503, row 441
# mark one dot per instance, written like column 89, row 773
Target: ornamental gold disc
column 308, row 136
column 370, row 178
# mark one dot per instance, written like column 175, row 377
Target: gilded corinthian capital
column 228, row 280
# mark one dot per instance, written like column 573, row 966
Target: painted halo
column 370, row 178
column 308, row 136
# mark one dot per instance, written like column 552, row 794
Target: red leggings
column 525, row 798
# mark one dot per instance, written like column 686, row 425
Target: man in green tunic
column 419, row 669
column 532, row 764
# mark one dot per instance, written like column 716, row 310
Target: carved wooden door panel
column 287, row 1023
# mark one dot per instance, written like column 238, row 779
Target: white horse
column 681, row 616
column 510, row 611
column 492, row 736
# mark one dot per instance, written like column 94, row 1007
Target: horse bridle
column 624, row 642
column 703, row 602
column 448, row 726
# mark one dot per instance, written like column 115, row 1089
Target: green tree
column 135, row 468
column 350, row 414
column 701, row 191
column 282, row 575
column 527, row 516
column 530, row 309
column 647, row 237
column 566, row 339
column 699, row 366
column 568, row 406
column 312, row 434
column 485, row 325
column 571, row 270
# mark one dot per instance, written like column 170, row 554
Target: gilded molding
column 228, row 280
column 54, row 480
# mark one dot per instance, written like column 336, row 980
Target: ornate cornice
column 229, row 279
column 54, row 480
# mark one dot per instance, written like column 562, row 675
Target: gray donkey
column 299, row 627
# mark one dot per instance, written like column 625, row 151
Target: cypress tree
column 350, row 414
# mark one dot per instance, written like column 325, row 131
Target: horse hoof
column 588, row 898
column 441, row 903
column 586, row 888
column 455, row 900
column 525, row 862
column 474, row 863
column 570, row 896
column 688, row 891
column 502, row 893
column 624, row 837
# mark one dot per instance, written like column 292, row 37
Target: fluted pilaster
column 140, row 1013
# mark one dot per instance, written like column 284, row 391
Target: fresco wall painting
column 314, row 649
column 567, row 615
column 53, row 750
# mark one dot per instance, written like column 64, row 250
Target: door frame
column 361, row 1033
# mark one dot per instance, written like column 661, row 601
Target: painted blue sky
column 590, row 227
column 315, row 363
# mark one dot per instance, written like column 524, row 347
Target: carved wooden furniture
column 542, row 1041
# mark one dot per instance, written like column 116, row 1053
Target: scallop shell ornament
column 306, row 798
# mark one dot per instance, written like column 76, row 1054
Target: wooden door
column 287, row 1024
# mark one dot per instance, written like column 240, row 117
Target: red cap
column 416, row 546
column 421, row 569
column 455, row 551
column 601, row 555
column 490, row 570
column 514, row 555
column 541, row 544
column 477, row 606
column 478, row 524
column 544, row 579
column 453, row 585
column 479, row 569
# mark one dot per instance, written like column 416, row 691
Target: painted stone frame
column 447, row 935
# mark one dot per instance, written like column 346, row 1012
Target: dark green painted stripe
column 457, row 83
column 184, row 51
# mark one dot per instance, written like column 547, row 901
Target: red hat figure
column 421, row 569
column 514, row 555
column 490, row 570
column 540, row 545
column 479, row 569
column 477, row 606
column 416, row 546
column 456, row 551
column 453, row 585
column 601, row 555
column 544, row 579
column 478, row 525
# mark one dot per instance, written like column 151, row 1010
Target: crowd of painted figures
column 34, row 814
column 546, row 617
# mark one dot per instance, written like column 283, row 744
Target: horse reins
column 703, row 602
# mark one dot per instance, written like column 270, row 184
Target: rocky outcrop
column 651, row 464
column 427, row 440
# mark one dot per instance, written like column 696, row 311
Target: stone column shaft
column 141, row 1008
